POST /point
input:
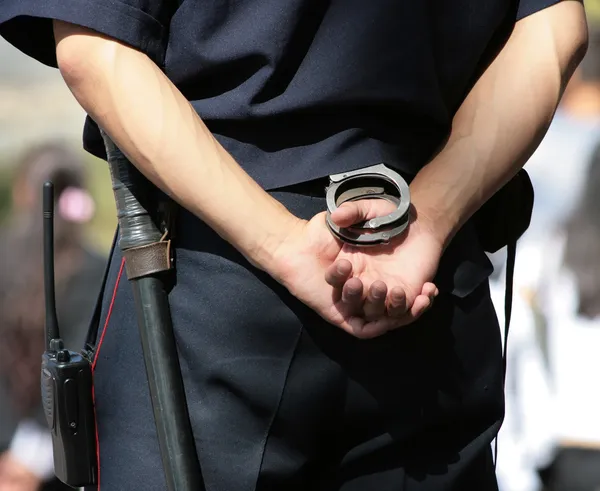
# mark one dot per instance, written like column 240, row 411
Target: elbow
column 574, row 45
column 70, row 64
column 573, row 56
column 70, row 56
column 80, row 53
column 579, row 46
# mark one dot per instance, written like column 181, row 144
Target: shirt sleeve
column 528, row 7
column 142, row 24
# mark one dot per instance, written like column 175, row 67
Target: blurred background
column 36, row 107
column 550, row 440
column 40, row 138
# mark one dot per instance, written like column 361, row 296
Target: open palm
column 366, row 291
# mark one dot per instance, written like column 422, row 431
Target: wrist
column 424, row 227
column 441, row 202
column 439, row 224
column 266, row 253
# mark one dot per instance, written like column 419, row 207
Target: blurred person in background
column 526, row 441
column 26, row 462
column 570, row 299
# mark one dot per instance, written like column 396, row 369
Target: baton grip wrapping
column 133, row 197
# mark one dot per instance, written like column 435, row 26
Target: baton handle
column 134, row 197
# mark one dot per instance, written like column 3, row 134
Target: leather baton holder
column 147, row 260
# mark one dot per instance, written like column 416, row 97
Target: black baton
column 141, row 212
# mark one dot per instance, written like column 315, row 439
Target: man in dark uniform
column 308, row 365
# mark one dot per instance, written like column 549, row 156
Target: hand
column 390, row 284
column 365, row 291
column 14, row 476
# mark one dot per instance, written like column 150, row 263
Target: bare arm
column 503, row 119
column 496, row 129
column 159, row 131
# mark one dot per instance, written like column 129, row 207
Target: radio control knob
column 63, row 356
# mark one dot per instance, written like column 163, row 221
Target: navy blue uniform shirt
column 299, row 89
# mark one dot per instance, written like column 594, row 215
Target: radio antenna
column 49, row 289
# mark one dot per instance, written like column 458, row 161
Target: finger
column 338, row 273
column 352, row 212
column 352, row 295
column 421, row 304
column 354, row 326
column 378, row 327
column 397, row 302
column 429, row 290
column 374, row 305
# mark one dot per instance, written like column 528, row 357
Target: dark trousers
column 281, row 400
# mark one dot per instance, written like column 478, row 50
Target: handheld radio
column 66, row 382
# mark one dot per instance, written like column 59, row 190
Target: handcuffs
column 374, row 182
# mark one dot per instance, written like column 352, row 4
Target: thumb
column 353, row 212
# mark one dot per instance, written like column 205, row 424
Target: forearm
column 502, row 121
column 159, row 131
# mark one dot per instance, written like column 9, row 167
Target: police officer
column 309, row 364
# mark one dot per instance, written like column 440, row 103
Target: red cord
column 110, row 308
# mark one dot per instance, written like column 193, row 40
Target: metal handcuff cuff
column 375, row 182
